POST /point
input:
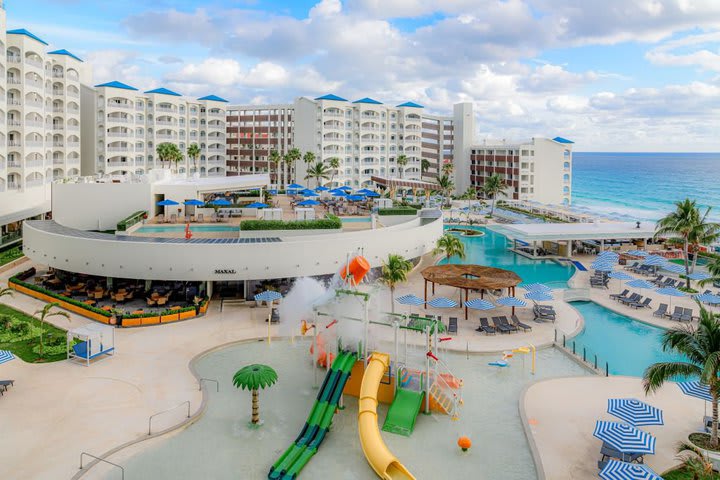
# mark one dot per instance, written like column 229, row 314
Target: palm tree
column 319, row 171
column 291, row 157
column 308, row 158
column 445, row 185
column 275, row 159
column 255, row 377
column 334, row 163
column 450, row 246
column 424, row 165
column 402, row 160
column 43, row 315
column 7, row 291
column 168, row 152
column 690, row 226
column 394, row 271
column 447, row 168
column 193, row 153
column 695, row 462
column 701, row 347
column 704, row 233
column 492, row 186
column 713, row 269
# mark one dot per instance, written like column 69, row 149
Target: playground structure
column 340, row 344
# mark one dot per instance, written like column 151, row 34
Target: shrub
column 131, row 220
column 398, row 211
column 37, row 288
column 329, row 223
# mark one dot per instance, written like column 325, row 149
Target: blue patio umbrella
column 364, row 191
column 273, row 191
column 671, row 291
column 639, row 283
column 410, row 299
column 624, row 438
column 194, row 202
column 167, row 203
column 617, row 470
column 372, row 195
column 620, row 276
column 479, row 304
column 308, row 203
column 699, row 276
column 6, row 356
column 345, row 187
column 295, row 186
column 356, row 198
column 635, row 412
column 602, row 266
column 309, row 193
column 708, row 298
column 673, row 267
column 256, row 205
column 539, row 296
column 321, row 189
column 442, row 302
column 655, row 261
column 609, row 255
column 511, row 302
column 531, row 287
column 221, row 202
column 696, row 389
column 637, row 253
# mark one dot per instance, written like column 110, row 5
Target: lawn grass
column 24, row 349
column 680, row 474
column 10, row 255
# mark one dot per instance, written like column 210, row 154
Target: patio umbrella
column 308, row 203
column 345, row 187
column 617, row 470
column 671, row 292
column 308, row 193
column 356, row 198
column 477, row 304
column 442, row 302
column 609, row 255
column 6, row 356
column 602, row 266
column 167, row 203
column 410, row 299
column 221, row 202
column 256, row 205
column 637, row 253
column 338, row 193
column 194, row 202
column 620, row 276
column 364, row 191
column 635, row 412
column 655, row 261
column 699, row 276
column 295, row 186
column 708, row 298
column 639, row 283
column 624, row 438
column 696, row 389
column 531, row 287
column 673, row 267
column 511, row 302
column 321, row 189
column 372, row 195
column 268, row 296
column 539, row 296
column 273, row 191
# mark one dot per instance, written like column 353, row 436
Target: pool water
column 491, row 250
column 627, row 345
column 355, row 219
column 181, row 228
column 220, row 446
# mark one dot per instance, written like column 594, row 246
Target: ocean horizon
column 644, row 186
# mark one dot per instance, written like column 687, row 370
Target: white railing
column 34, row 63
column 73, row 94
column 73, row 127
column 124, row 106
column 58, row 75
column 120, row 149
column 33, row 83
column 58, row 144
column 73, row 144
column 34, row 144
column 14, row 59
column 118, row 134
column 118, row 120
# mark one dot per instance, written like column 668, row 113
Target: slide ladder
column 290, row 463
column 446, row 390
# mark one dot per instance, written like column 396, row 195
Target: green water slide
column 403, row 412
column 290, row 463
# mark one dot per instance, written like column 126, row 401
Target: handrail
column 122, row 470
column 165, row 411
column 217, row 384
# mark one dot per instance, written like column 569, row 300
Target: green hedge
column 330, row 223
column 397, row 211
column 131, row 220
column 10, row 255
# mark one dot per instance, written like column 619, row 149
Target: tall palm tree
column 690, row 226
column 704, row 233
column 493, row 185
column 424, row 165
column 254, row 378
column 334, row 163
column 448, row 168
column 450, row 246
column 394, row 271
column 275, row 159
column 308, row 158
column 319, row 171
column 445, row 185
column 43, row 315
column 193, row 153
column 402, row 160
column 713, row 269
column 165, row 152
column 291, row 158
column 701, row 347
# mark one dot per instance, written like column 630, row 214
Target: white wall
column 464, row 137
column 549, row 159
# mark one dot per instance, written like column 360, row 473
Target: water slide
column 385, row 464
column 289, row 465
column 403, row 412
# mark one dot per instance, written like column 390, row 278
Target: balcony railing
column 14, row 59
column 119, row 134
column 10, row 237
column 58, row 75
column 34, row 83
column 58, row 144
column 33, row 62
column 14, row 164
column 34, row 144
column 120, row 149
column 125, row 106
column 73, row 94
column 73, row 144
column 118, row 120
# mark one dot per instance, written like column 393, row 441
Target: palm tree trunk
column 392, row 299
column 255, row 408
column 687, row 262
column 492, row 207
column 714, row 430
column 695, row 258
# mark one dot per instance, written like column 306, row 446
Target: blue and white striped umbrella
column 639, row 283
column 671, row 291
column 673, row 267
column 6, row 356
column 624, row 438
column 654, row 261
column 479, row 304
column 617, row 470
column 708, row 298
column 410, row 299
column 696, row 389
column 635, row 412
column 610, row 255
column 511, row 302
column 539, row 296
column 532, row 287
column 637, row 253
column 699, row 276
column 442, row 302
column 620, row 276
column 602, row 266
column 268, row 296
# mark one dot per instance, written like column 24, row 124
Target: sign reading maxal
column 225, row 271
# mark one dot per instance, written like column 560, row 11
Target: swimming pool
column 181, row 228
column 355, row 219
column 491, row 250
column 220, row 446
column 627, row 345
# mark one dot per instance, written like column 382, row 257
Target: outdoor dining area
column 341, row 201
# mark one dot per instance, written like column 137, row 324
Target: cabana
column 95, row 340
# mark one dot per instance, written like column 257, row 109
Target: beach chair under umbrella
column 670, row 292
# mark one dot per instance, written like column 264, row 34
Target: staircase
column 446, row 397
column 444, row 400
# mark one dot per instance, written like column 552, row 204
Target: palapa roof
column 474, row 277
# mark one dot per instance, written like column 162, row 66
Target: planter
column 204, row 307
column 712, row 455
column 132, row 322
column 173, row 317
column 147, row 321
column 186, row 315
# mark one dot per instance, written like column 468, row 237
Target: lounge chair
column 608, row 451
column 160, row 218
column 661, row 311
column 635, row 297
column 200, row 218
column 504, row 321
column 485, row 327
column 453, row 325
column 677, row 314
column 658, row 280
column 634, row 265
column 499, row 325
column 173, row 218
column 4, row 384
column 672, row 283
column 616, row 296
column 187, row 219
column 644, row 304
column 519, row 324
column 687, row 315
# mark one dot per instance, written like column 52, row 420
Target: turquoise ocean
column 643, row 186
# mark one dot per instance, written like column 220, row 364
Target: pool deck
column 98, row 408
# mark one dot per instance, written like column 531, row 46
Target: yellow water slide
column 385, row 464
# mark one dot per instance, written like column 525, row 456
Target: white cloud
column 690, row 51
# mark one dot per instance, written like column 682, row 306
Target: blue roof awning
column 65, row 52
column 368, row 100
column 116, row 84
column 213, row 98
column 164, row 91
column 562, row 140
column 411, row 104
column 330, row 96
column 22, row 31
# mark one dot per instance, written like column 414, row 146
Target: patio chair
column 644, row 304
column 608, row 451
column 499, row 325
column 634, row 265
column 687, row 315
column 677, row 314
column 485, row 327
column 504, row 321
column 661, row 311
column 188, row 219
column 635, row 297
column 519, row 324
column 173, row 218
column 616, row 296
column 453, row 325
column 200, row 218
column 658, row 280
column 160, row 218
column 4, row 384
column 671, row 283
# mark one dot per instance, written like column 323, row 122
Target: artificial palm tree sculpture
column 193, row 153
column 254, row 378
column 394, row 271
column 492, row 187
column 42, row 316
column 450, row 246
column 701, row 347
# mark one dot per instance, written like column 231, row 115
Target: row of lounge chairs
column 633, row 300
column 502, row 325
column 641, row 269
column 679, row 314
column 544, row 313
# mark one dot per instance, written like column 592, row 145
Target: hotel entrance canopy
column 537, row 232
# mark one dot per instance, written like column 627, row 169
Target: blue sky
column 612, row 75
